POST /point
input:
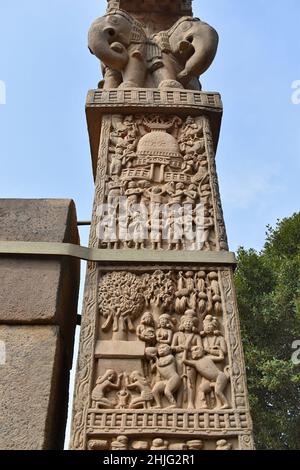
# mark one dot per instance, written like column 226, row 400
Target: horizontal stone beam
column 121, row 256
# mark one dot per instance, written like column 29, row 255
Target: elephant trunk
column 204, row 45
column 102, row 44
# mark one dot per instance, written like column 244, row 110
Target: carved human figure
column 214, row 378
column 190, row 130
column 222, row 444
column 109, row 381
column 120, row 443
column 186, row 338
column 116, row 162
column 145, row 185
column 156, row 227
column 114, row 194
column 165, row 329
column 176, row 194
column 138, row 382
column 132, row 193
column 169, row 380
column 174, row 230
column 155, row 195
column 208, row 230
column 213, row 341
column 202, row 178
column 137, row 229
column 146, row 329
column 159, row 444
column 123, row 399
column 191, row 195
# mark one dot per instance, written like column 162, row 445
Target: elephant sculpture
column 194, row 44
column 169, row 59
column 118, row 40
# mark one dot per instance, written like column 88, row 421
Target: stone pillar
column 160, row 363
column 38, row 309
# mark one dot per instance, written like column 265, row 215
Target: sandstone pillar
column 161, row 363
column 38, row 309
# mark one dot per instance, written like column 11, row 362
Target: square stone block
column 39, row 289
column 34, row 379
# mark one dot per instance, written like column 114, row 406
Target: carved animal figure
column 206, row 367
column 170, row 380
column 169, row 59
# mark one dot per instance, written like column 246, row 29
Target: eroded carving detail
column 122, row 442
column 222, row 444
column 168, row 59
column 121, row 301
column 160, row 354
column 185, row 352
column 158, row 190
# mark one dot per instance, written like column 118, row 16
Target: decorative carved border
column 85, row 365
column 235, row 349
column 166, row 422
column 154, row 98
column 218, row 211
column 246, row 442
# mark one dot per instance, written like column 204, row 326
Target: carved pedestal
column 161, row 363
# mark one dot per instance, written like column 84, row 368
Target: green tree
column 268, row 289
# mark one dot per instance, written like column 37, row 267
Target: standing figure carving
column 183, row 340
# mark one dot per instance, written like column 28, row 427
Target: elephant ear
column 205, row 42
column 195, row 43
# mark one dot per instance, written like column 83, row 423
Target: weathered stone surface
column 39, row 290
column 33, row 383
column 38, row 309
column 151, row 57
column 40, row 220
column 160, row 364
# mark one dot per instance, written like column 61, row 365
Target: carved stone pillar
column 161, row 363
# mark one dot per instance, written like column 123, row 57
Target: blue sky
column 47, row 69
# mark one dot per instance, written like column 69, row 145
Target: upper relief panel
column 157, row 186
column 134, row 53
column 156, row 15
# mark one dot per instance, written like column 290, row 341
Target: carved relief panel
column 164, row 361
column 161, row 189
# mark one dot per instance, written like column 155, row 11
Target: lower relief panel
column 161, row 363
